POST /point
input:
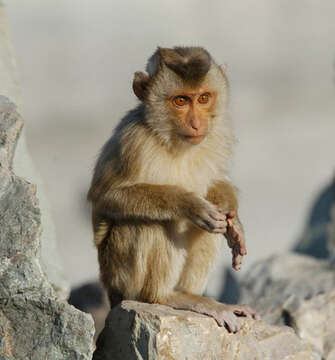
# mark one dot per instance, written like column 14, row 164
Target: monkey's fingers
column 237, row 260
column 241, row 245
column 217, row 213
column 236, row 242
column 235, row 237
column 218, row 216
column 211, row 225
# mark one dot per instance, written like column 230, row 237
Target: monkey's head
column 184, row 92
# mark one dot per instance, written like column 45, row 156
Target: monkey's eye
column 180, row 100
column 204, row 98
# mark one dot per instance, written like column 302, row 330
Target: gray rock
column 273, row 281
column 298, row 291
column 136, row 330
column 314, row 321
column 315, row 238
column 91, row 298
column 331, row 230
column 34, row 324
column 38, row 327
column 23, row 165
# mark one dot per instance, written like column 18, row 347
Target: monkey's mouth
column 194, row 139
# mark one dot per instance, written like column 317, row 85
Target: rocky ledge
column 136, row 330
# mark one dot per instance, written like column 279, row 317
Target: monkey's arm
column 223, row 194
column 157, row 203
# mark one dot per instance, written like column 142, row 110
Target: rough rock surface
column 136, row 330
column 33, row 323
column 315, row 238
column 91, row 298
column 314, row 321
column 298, row 291
column 331, row 228
column 24, row 167
column 275, row 280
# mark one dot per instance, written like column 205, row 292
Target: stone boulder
column 314, row 321
column 136, row 330
column 34, row 323
column 269, row 283
column 298, row 291
column 316, row 239
column 92, row 299
column 23, row 166
column 331, row 228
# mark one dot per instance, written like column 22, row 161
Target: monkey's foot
column 235, row 239
column 229, row 315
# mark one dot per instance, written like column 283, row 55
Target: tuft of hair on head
column 190, row 63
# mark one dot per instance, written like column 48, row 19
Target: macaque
column 161, row 198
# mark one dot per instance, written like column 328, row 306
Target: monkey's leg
column 118, row 257
column 138, row 262
column 224, row 314
column 202, row 251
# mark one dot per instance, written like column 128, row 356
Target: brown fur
column 223, row 194
column 157, row 237
column 191, row 64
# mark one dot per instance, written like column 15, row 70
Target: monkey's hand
column 204, row 214
column 235, row 239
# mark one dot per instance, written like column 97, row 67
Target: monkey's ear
column 140, row 84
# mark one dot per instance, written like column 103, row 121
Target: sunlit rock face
column 298, row 291
column 34, row 324
column 136, row 330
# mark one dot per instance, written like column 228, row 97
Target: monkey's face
column 191, row 111
column 184, row 93
column 184, row 114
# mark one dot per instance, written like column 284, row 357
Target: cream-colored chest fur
column 195, row 169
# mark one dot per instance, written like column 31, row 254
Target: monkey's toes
column 229, row 320
column 245, row 311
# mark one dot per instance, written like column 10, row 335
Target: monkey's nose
column 195, row 124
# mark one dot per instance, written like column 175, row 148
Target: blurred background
column 77, row 58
